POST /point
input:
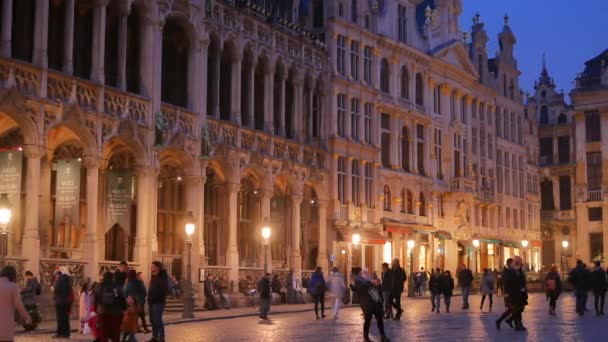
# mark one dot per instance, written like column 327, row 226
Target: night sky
column 568, row 32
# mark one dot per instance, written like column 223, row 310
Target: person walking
column 110, row 303
column 436, row 289
column 32, row 290
column 387, row 283
column 487, row 288
column 398, row 278
column 447, row 288
column 129, row 320
column 135, row 288
column 10, row 303
column 506, row 315
column 264, row 288
column 157, row 294
column 317, row 288
column 599, row 287
column 370, row 301
column 63, row 296
column 337, row 287
column 465, row 279
column 515, row 291
column 553, row 288
column 580, row 278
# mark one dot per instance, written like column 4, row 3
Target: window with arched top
column 384, row 76
column 419, row 90
column 405, row 83
column 410, row 202
column 405, row 149
column 422, row 208
column 544, row 115
column 387, row 198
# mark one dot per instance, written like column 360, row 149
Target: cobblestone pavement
column 418, row 324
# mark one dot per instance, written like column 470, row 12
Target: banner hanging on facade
column 67, row 197
column 10, row 173
column 118, row 198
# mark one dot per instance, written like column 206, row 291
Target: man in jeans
column 157, row 293
column 465, row 279
column 264, row 288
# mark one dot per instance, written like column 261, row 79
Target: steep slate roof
column 592, row 75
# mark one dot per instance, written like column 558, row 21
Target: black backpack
column 38, row 289
column 109, row 295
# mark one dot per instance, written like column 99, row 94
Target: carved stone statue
column 160, row 125
column 461, row 217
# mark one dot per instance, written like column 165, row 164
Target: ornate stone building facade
column 319, row 119
column 573, row 150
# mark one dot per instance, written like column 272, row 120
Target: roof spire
column 544, row 64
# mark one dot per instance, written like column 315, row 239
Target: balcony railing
column 463, row 185
column 547, row 215
column 594, row 195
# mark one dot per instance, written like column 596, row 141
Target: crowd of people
column 112, row 308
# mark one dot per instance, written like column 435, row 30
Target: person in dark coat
column 63, row 296
column 398, row 278
column 370, row 299
column 599, row 286
column 580, row 278
column 210, row 302
column 157, row 295
column 506, row 273
column 317, row 288
column 447, row 288
column 110, row 303
column 135, row 288
column 465, row 279
column 515, row 290
column 553, row 288
column 436, row 289
column 264, row 288
column 120, row 275
column 387, row 283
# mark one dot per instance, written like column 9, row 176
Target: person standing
column 10, row 302
column 465, row 279
column 599, row 286
column 553, row 288
column 120, row 275
column 84, row 306
column 447, row 287
column 264, row 287
column 370, row 301
column 210, row 303
column 157, row 294
column 580, row 279
column 337, row 287
column 398, row 278
column 317, row 288
column 387, row 283
column 110, row 305
column 436, row 290
column 135, row 288
column 28, row 295
column 63, row 296
column 487, row 288
column 424, row 280
column 221, row 287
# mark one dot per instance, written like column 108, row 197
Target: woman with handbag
column 317, row 288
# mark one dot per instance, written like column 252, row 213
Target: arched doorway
column 215, row 233
column 280, row 223
column 171, row 211
column 309, row 242
column 248, row 229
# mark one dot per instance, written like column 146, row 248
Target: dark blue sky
column 568, row 32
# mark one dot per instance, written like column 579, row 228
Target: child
column 84, row 307
column 129, row 321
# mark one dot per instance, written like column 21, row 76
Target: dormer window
column 543, row 94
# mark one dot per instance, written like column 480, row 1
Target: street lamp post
column 476, row 245
column 524, row 245
column 410, row 287
column 565, row 244
column 5, row 218
column 266, row 236
column 188, row 295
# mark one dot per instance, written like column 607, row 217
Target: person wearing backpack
column 317, row 288
column 370, row 299
column 553, row 288
column 487, row 288
column 110, row 304
column 599, row 287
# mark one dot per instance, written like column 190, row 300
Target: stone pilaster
column 295, row 257
column 7, row 26
column 68, row 37
column 31, row 236
column 91, row 244
column 322, row 259
column 232, row 254
column 99, row 43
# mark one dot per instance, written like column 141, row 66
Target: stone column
column 250, row 95
column 146, row 56
column 91, row 245
column 298, row 108
column 44, row 205
column 215, row 85
column 122, row 47
column 31, row 236
column 281, row 94
column 99, row 42
column 41, row 36
column 555, row 181
column 295, row 261
column 232, row 255
column 145, row 187
column 322, row 259
column 68, row 37
column 7, row 26
column 269, row 100
column 202, row 76
column 235, row 110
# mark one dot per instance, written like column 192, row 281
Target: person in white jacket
column 337, row 287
